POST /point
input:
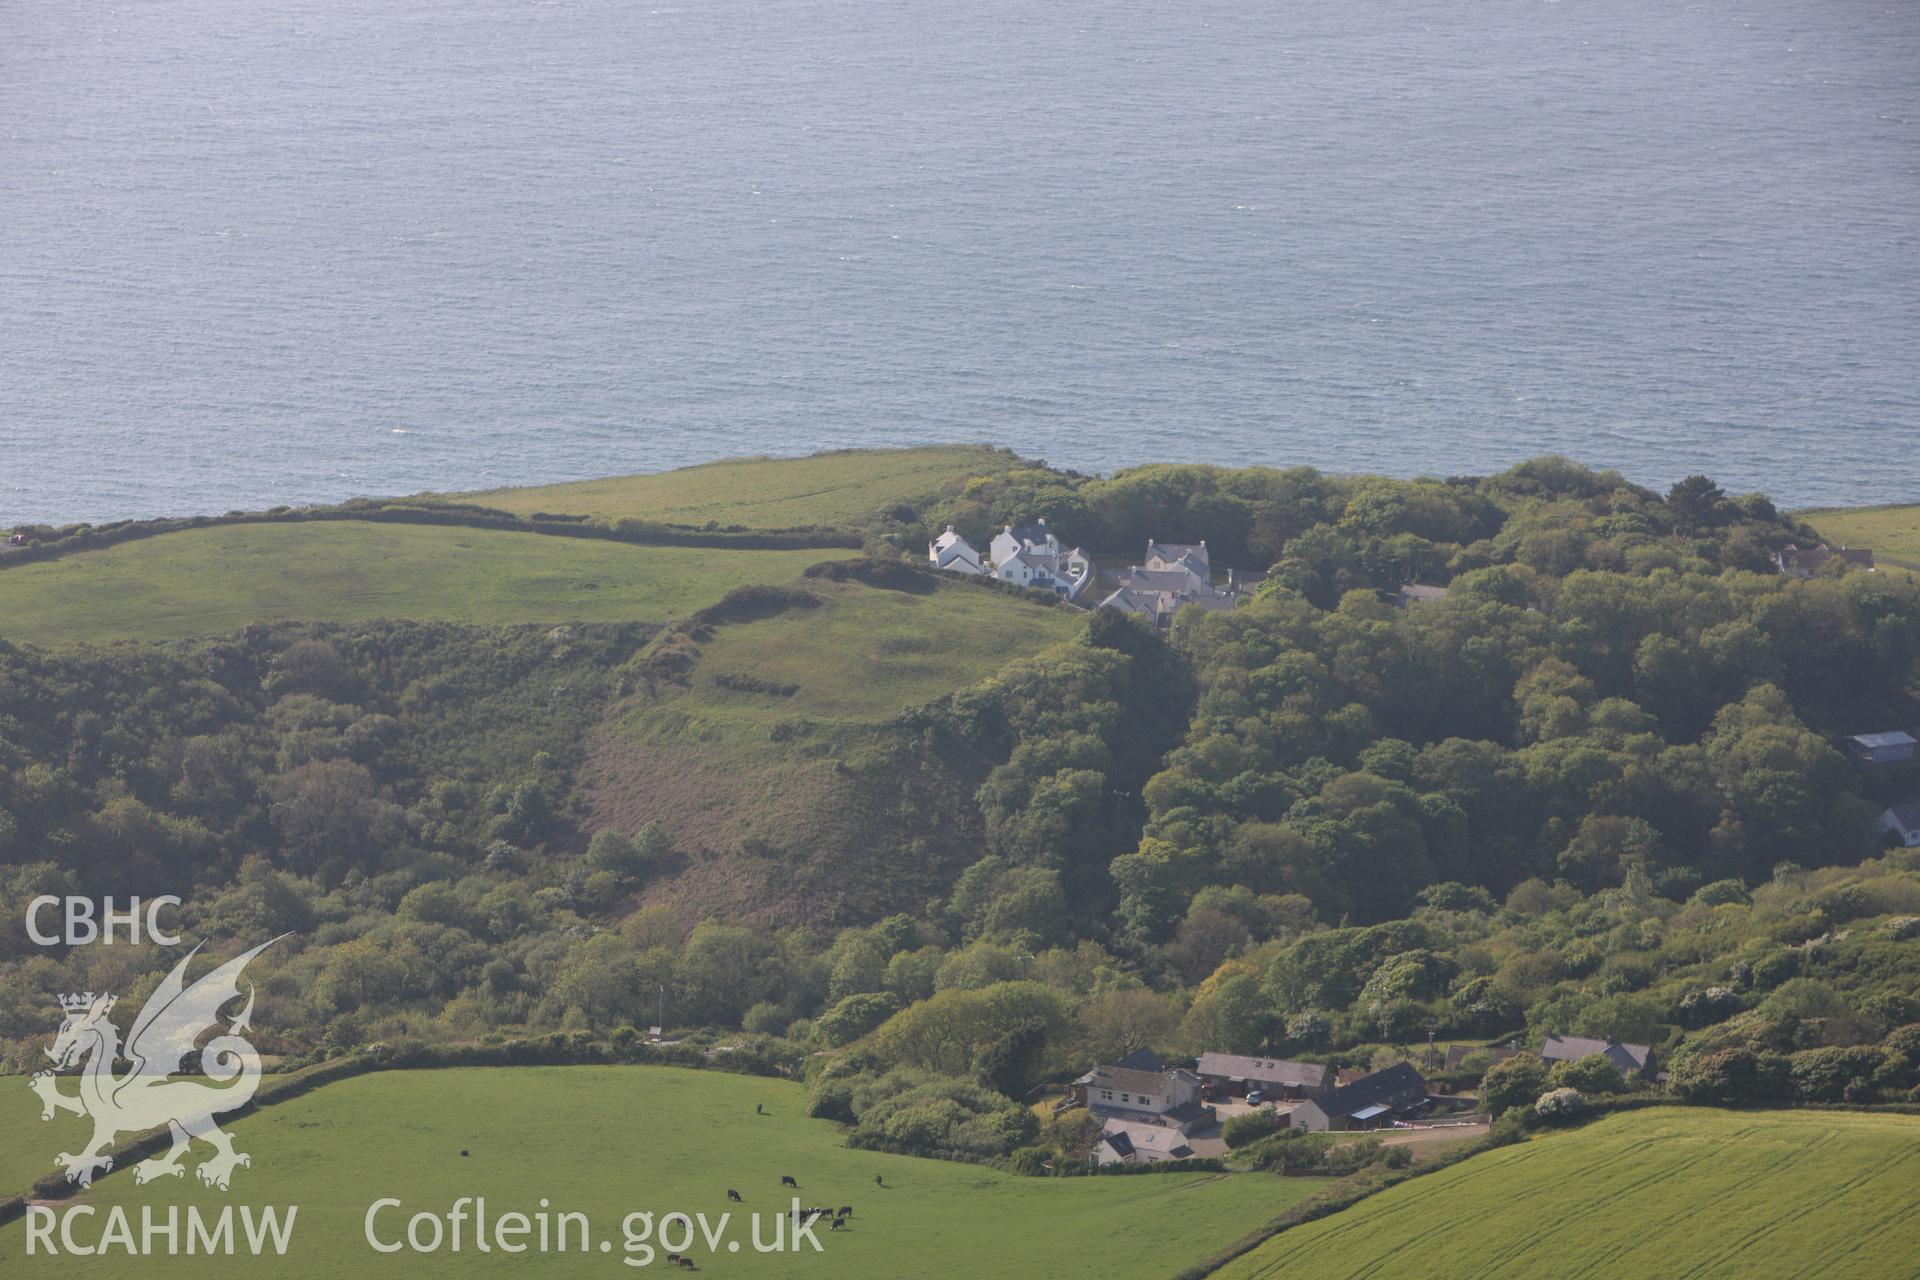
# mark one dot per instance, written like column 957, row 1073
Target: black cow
column 786, row 1180
column 846, row 1211
column 734, row 1196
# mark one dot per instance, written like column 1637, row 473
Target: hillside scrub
column 1593, row 791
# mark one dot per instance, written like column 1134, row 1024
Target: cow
column 846, row 1211
column 837, row 1224
column 734, row 1196
column 786, row 1180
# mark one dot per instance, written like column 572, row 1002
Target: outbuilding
column 1902, row 822
column 1889, row 747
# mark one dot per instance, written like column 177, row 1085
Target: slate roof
column 1032, row 531
column 1142, row 1060
column 1381, row 1086
column 1629, row 1058
column 1313, row 1076
column 1194, row 553
column 1891, row 738
column 1907, row 815
column 1131, row 1080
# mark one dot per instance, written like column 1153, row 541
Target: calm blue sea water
column 261, row 251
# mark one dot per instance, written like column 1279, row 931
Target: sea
column 288, row 251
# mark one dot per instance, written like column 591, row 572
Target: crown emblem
column 81, row 1002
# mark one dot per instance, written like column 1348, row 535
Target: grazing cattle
column 879, row 1181
column 786, row 1180
column 673, row 1257
column 846, row 1211
column 734, row 1196
column 759, row 1110
column 463, row 1151
column 837, row 1224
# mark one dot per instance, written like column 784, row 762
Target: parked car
column 1256, row 1096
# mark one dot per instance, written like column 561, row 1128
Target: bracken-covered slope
column 767, row 748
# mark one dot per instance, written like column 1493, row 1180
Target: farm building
column 1170, row 1098
column 1889, row 747
column 1804, row 562
column 1126, row 1142
column 1630, row 1059
column 1902, row 822
column 1235, row 1076
column 1413, row 594
column 1398, row 1092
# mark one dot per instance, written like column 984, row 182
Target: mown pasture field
column 202, row 582
column 1679, row 1193
column 842, row 488
column 608, row 1141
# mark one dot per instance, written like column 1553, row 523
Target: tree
column 1733, row 1078
column 1230, row 1014
column 854, row 1016
column 1516, row 1082
column 599, row 979
column 1560, row 1105
column 1593, row 1074
column 331, row 817
column 1115, row 1023
column 1696, row 503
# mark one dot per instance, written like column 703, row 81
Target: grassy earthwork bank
column 609, row 1141
column 213, row 581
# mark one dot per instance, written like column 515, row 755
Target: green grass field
column 607, row 1141
column 213, row 581
column 1890, row 532
column 869, row 653
column 1681, row 1194
column 844, row 488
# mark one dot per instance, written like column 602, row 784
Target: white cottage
column 1030, row 555
column 954, row 553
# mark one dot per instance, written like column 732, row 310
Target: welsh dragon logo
column 148, row 1096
